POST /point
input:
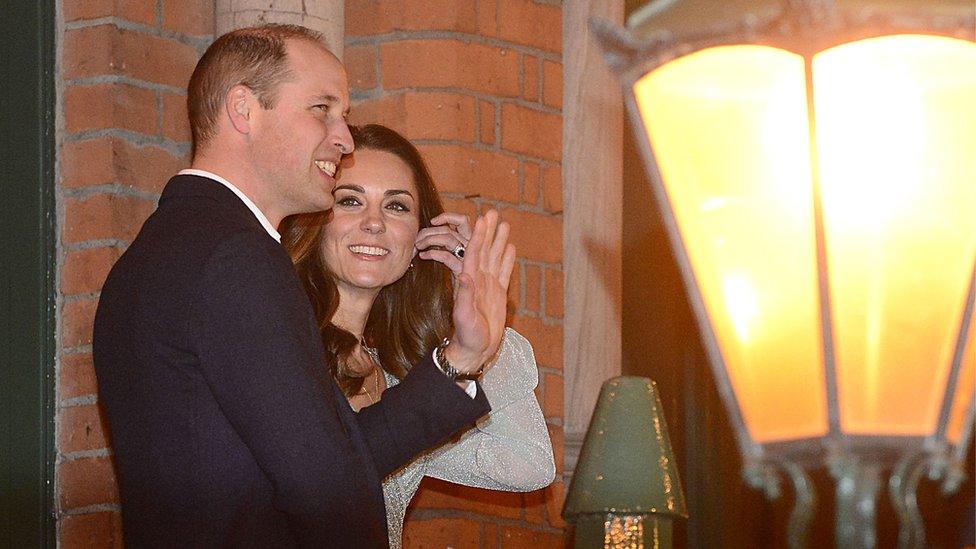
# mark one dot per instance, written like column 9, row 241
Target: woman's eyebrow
column 354, row 188
column 361, row 190
column 393, row 192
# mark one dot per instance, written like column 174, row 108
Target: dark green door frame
column 27, row 267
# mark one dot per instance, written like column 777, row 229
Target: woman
column 382, row 291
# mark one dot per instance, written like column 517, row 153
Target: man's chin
column 318, row 204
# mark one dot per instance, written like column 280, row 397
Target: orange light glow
column 896, row 126
column 897, row 143
column 728, row 126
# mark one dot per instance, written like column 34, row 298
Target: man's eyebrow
column 326, row 98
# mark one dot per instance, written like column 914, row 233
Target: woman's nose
column 373, row 222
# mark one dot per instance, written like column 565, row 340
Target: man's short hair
column 252, row 56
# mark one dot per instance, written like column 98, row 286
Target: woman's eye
column 348, row 201
column 398, row 206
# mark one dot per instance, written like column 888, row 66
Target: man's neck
column 244, row 181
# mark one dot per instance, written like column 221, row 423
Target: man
column 227, row 430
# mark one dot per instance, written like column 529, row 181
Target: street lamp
column 815, row 163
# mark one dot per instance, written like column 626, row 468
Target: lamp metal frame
column 806, row 27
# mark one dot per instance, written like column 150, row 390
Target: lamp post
column 815, row 163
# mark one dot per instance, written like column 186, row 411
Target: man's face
column 297, row 145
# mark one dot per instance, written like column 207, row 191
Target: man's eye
column 323, row 108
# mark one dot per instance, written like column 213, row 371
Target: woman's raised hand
column 480, row 300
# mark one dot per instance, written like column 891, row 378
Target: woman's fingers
column 440, row 230
column 446, row 239
column 498, row 247
column 491, row 222
column 508, row 263
column 447, row 258
column 460, row 222
column 472, row 254
column 486, row 251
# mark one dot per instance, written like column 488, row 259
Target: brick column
column 122, row 132
column 325, row 16
column 478, row 87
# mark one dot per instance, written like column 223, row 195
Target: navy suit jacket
column 227, row 429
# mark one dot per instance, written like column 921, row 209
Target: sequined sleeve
column 509, row 449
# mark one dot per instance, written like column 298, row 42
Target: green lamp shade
column 626, row 465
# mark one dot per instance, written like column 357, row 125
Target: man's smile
column 328, row 167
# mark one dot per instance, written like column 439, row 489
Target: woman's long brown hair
column 410, row 316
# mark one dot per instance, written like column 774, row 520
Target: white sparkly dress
column 509, row 449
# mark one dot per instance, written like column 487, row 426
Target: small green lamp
column 625, row 491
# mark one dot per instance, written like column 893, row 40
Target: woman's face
column 369, row 242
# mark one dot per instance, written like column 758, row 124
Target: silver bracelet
column 444, row 365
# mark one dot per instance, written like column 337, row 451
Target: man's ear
column 239, row 104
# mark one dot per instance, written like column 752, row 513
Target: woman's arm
column 509, row 449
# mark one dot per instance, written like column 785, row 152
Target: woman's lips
column 372, row 251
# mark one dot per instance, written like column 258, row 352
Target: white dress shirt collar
column 263, row 219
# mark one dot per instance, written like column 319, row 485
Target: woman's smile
column 368, row 252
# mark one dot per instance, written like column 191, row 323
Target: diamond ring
column 458, row 251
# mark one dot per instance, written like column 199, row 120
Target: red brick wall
column 477, row 85
column 122, row 134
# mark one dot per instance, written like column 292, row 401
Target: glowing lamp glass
column 896, row 156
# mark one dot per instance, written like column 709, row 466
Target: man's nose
column 342, row 139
